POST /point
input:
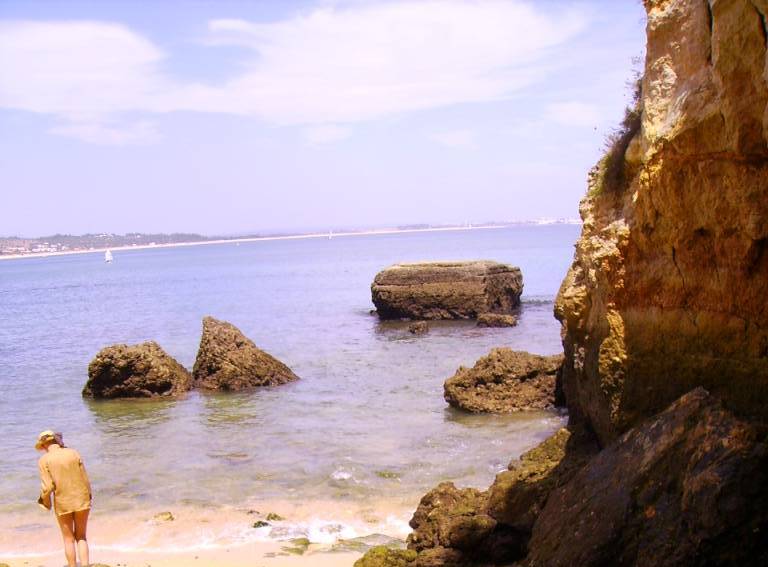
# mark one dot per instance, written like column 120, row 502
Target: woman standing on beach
column 63, row 475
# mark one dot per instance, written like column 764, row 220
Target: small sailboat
column 108, row 256
column 330, row 234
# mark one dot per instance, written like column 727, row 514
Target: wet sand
column 251, row 555
column 321, row 533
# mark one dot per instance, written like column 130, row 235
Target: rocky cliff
column 668, row 286
column 666, row 294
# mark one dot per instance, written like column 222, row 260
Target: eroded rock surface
column 446, row 290
column 687, row 487
column 228, row 360
column 136, row 371
column 506, row 381
column 668, row 286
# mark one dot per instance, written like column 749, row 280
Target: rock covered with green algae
column 228, row 360
column 506, row 381
column 382, row 556
column 450, row 517
column 135, row 371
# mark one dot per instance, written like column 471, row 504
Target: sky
column 231, row 117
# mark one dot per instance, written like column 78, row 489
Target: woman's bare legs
column 81, row 527
column 67, row 527
column 74, row 528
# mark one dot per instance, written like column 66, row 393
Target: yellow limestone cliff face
column 669, row 285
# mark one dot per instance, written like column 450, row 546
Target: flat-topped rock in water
column 228, row 360
column 506, row 381
column 446, row 290
column 135, row 371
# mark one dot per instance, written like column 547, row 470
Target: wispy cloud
column 122, row 134
column 326, row 134
column 455, row 138
column 330, row 65
column 573, row 113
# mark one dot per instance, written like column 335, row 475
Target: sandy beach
column 254, row 239
column 253, row 555
column 303, row 534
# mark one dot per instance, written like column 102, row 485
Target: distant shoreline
column 268, row 238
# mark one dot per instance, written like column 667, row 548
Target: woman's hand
column 43, row 504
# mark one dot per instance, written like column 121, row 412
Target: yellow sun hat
column 44, row 437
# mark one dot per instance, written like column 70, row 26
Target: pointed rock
column 228, row 360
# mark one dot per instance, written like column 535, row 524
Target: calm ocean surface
column 356, row 441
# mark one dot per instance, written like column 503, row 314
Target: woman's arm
column 46, row 485
column 86, row 479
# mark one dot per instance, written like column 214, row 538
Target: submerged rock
column 446, row 290
column 506, row 381
column 496, row 320
column 686, row 487
column 137, row 371
column 228, row 360
column 418, row 328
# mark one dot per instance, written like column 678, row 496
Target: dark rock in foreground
column 506, row 381
column 496, row 320
column 464, row 527
column 446, row 290
column 517, row 496
column 686, row 487
column 228, row 360
column 138, row 371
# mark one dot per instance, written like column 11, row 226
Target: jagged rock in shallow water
column 496, row 320
column 686, row 487
column 668, row 286
column 138, row 371
column 446, row 290
column 228, row 360
column 506, row 381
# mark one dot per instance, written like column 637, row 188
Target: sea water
column 344, row 452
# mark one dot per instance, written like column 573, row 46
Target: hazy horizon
column 225, row 118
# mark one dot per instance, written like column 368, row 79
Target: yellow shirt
column 62, row 473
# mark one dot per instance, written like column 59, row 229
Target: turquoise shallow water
column 366, row 423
